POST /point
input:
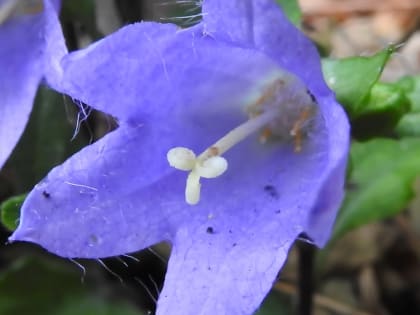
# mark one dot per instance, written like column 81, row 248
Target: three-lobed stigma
column 284, row 109
column 203, row 166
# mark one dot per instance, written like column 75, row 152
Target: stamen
column 212, row 167
column 265, row 135
column 296, row 131
column 238, row 134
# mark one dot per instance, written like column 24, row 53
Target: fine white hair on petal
column 83, row 113
column 81, row 267
column 191, row 12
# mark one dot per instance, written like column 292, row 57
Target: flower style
column 28, row 48
column 229, row 146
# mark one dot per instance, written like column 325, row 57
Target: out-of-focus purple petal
column 56, row 4
column 20, row 73
column 24, row 56
column 54, row 43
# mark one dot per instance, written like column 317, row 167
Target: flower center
column 11, row 8
column 284, row 109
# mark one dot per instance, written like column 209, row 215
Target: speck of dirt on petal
column 210, row 230
column 46, row 194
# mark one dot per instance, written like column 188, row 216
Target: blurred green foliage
column 409, row 125
column 374, row 107
column 45, row 287
column 10, row 210
column 382, row 110
column 381, row 181
column 383, row 169
column 292, row 10
column 83, row 13
column 47, row 140
column 353, row 78
column 275, row 304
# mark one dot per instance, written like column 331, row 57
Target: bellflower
column 229, row 146
column 28, row 48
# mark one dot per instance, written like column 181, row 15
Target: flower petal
column 171, row 88
column 127, row 170
column 250, row 23
column 331, row 194
column 54, row 44
column 122, row 195
column 23, row 55
column 21, row 72
column 213, row 272
column 91, row 206
column 106, row 201
column 146, row 70
column 260, row 24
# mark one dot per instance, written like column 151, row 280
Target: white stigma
column 283, row 109
column 181, row 158
column 185, row 160
column 210, row 164
column 212, row 167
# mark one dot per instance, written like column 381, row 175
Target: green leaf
column 382, row 110
column 352, row 78
column 411, row 85
column 374, row 108
column 380, row 184
column 40, row 287
column 292, row 10
column 409, row 125
column 10, row 210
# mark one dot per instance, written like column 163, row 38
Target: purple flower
column 29, row 46
column 238, row 106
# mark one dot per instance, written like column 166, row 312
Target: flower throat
column 283, row 110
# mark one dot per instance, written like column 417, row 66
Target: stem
column 305, row 278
